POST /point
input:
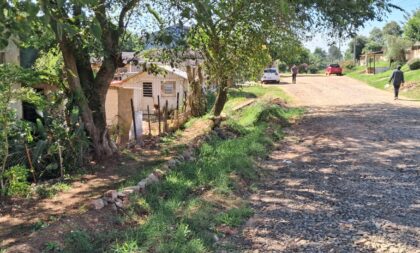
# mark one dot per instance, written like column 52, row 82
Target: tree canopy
column 392, row 28
column 235, row 38
column 334, row 54
column 412, row 27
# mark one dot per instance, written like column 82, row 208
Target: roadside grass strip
column 200, row 201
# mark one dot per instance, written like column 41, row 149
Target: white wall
column 111, row 106
column 141, row 102
column 12, row 56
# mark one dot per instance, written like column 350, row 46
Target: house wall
column 12, row 56
column 136, row 83
column 124, row 113
column 118, row 100
column 413, row 54
column 111, row 106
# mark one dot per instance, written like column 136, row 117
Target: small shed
column 146, row 90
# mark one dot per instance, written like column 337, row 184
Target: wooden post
column 159, row 114
column 177, row 101
column 133, row 115
column 177, row 111
column 374, row 61
column 148, row 119
column 31, row 166
column 165, row 118
column 185, row 101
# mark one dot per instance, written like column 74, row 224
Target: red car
column 334, row 69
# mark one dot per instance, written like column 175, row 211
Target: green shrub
column 49, row 191
column 235, row 216
column 414, row 64
column 312, row 69
column 282, row 67
column 395, row 64
column 16, row 179
column 78, row 242
column 51, row 247
column 349, row 65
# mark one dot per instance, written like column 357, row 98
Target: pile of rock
column 120, row 199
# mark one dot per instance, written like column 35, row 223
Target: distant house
column 144, row 89
column 413, row 52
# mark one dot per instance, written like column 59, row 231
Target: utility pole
column 354, row 49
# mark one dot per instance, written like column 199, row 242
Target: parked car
column 334, row 69
column 271, row 75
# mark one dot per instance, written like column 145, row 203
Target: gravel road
column 346, row 179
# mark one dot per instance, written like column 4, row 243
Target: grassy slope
column 199, row 199
column 379, row 80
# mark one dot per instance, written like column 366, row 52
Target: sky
column 322, row 41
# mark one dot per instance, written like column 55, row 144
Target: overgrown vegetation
column 50, row 144
column 202, row 199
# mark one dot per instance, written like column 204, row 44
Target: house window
column 147, row 90
column 2, row 57
column 168, row 88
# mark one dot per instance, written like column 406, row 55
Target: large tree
column 334, row 53
column 232, row 33
column 356, row 46
column 82, row 29
column 412, row 27
column 392, row 28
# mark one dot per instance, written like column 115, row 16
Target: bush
column 395, row 64
column 313, row 69
column 78, row 241
column 348, row 65
column 414, row 64
column 16, row 178
column 282, row 67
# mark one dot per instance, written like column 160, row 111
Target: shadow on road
column 347, row 179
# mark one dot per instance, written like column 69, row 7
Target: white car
column 271, row 75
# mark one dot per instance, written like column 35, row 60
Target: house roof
column 174, row 71
column 168, row 69
column 126, row 57
column 372, row 53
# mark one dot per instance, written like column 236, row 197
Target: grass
column 380, row 80
column 185, row 212
column 49, row 191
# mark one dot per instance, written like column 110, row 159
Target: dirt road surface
column 346, row 179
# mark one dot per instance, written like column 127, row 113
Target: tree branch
column 129, row 6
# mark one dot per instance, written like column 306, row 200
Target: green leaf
column 95, row 29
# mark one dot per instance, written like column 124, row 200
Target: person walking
column 397, row 79
column 295, row 71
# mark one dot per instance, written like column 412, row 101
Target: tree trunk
column 197, row 100
column 220, row 99
column 91, row 107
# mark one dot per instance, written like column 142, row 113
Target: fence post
column 159, row 114
column 177, row 111
column 148, row 119
column 185, row 101
column 165, row 116
column 134, row 119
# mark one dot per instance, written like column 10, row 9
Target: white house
column 145, row 90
